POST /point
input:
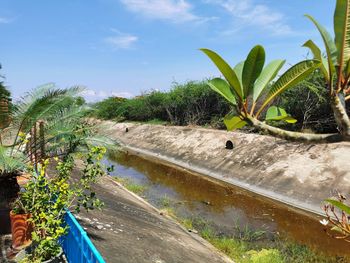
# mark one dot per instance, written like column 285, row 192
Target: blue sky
column 125, row 47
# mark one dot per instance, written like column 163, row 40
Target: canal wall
column 301, row 175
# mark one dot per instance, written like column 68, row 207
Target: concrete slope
column 301, row 175
column 129, row 230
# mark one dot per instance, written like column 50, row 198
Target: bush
column 195, row 103
column 106, row 109
column 189, row 103
column 308, row 103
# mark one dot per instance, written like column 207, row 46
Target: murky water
column 223, row 205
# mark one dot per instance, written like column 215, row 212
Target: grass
column 252, row 246
column 164, row 201
column 246, row 245
column 187, row 223
column 131, row 186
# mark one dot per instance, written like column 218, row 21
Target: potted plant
column 46, row 198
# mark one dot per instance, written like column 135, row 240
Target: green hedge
column 195, row 103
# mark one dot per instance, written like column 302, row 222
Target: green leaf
column 233, row 122
column 221, row 86
column 226, row 71
column 347, row 69
column 266, row 76
column 331, row 49
column 238, row 69
column 278, row 114
column 316, row 51
column 252, row 68
column 290, row 78
column 342, row 31
column 339, row 205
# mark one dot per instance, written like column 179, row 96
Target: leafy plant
column 64, row 129
column 338, row 215
column 308, row 103
column 250, row 88
column 249, row 81
column 47, row 199
column 336, row 65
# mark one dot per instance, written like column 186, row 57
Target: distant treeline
column 194, row 103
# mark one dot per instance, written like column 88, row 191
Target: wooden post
column 42, row 141
column 30, row 146
column 35, row 147
column 4, row 111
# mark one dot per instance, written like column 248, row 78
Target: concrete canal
column 230, row 210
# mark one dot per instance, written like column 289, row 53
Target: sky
column 127, row 47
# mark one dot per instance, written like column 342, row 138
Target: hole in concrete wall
column 229, row 145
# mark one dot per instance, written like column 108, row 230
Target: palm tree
column 65, row 130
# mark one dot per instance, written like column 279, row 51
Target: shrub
column 189, row 103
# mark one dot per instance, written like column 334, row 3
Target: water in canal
column 225, row 207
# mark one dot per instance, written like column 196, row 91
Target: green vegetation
column 164, row 201
column 46, row 199
column 131, row 186
column 189, row 103
column 254, row 246
column 307, row 103
column 64, row 129
column 302, row 99
column 335, row 67
column 251, row 88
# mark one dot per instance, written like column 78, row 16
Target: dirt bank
column 298, row 174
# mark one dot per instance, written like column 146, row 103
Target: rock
column 99, row 227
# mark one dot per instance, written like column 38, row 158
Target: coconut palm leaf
column 9, row 164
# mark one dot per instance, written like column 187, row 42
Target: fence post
column 4, row 111
column 42, row 141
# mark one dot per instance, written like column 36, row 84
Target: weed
column 131, row 186
column 248, row 234
column 187, row 223
column 164, row 201
column 265, row 256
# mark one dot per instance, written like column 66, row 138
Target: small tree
column 248, row 82
column 336, row 65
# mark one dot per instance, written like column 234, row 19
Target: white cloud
column 4, row 20
column 121, row 40
column 91, row 95
column 122, row 94
column 173, row 10
column 248, row 13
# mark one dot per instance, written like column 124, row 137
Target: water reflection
column 223, row 204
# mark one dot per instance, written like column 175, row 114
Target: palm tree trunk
column 341, row 117
column 297, row 136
